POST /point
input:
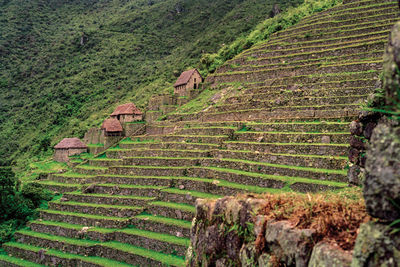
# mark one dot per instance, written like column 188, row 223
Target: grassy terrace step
column 148, row 170
column 343, row 21
column 293, row 159
column 160, row 224
column 331, row 25
column 351, row 12
column 213, row 139
column 52, row 257
column 338, row 40
column 146, row 239
column 6, row 260
column 294, row 61
column 314, row 34
column 159, row 152
column 291, row 148
column 96, row 209
column 308, row 46
column 90, row 170
column 265, row 57
column 104, row 162
column 311, row 68
column 218, row 159
column 70, row 245
column 108, row 199
column 211, row 186
column 180, row 211
column 283, row 101
column 72, row 178
column 312, row 126
column 207, row 131
column 266, row 180
column 83, row 218
column 145, row 257
column 60, row 187
column 280, row 169
column 348, row 113
column 174, row 145
column 347, row 8
column 268, row 93
column 129, row 190
column 299, row 79
column 369, row 84
column 294, row 137
column 92, row 248
column 185, row 196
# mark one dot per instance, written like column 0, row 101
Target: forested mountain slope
column 65, row 64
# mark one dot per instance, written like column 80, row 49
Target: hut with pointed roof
column 68, row 147
column 112, row 127
column 127, row 113
column 187, row 81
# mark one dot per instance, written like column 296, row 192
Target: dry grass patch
column 335, row 216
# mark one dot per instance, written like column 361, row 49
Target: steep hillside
column 65, row 64
column 281, row 125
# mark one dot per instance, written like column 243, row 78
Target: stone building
column 68, row 147
column 189, row 80
column 127, row 113
column 112, row 127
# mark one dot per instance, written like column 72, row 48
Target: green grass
column 176, row 206
column 287, row 144
column 170, row 260
column 94, row 205
column 298, row 168
column 55, row 238
column 19, row 262
column 288, row 179
column 52, row 252
column 95, row 145
column 181, row 241
column 75, row 175
column 90, row 167
column 165, row 220
column 196, row 194
column 85, row 215
column 51, row 183
column 144, row 187
column 109, row 196
column 293, row 133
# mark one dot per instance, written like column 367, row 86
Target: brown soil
column 336, row 217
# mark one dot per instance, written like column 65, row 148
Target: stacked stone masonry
column 287, row 129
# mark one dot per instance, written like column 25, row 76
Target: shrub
column 17, row 206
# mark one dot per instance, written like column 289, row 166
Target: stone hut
column 112, row 127
column 127, row 113
column 189, row 80
column 68, row 147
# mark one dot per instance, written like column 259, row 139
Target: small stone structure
column 189, row 80
column 112, row 127
column 68, row 147
column 127, row 113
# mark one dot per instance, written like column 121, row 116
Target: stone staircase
column 286, row 129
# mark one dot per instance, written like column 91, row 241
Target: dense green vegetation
column 17, row 205
column 65, row 65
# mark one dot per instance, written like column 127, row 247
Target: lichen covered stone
column 376, row 246
column 382, row 179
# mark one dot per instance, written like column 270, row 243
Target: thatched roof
column 127, row 109
column 185, row 77
column 112, row 125
column 67, row 143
